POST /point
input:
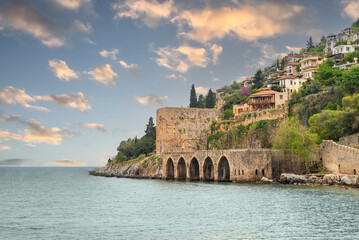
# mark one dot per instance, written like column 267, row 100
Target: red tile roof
column 263, row 93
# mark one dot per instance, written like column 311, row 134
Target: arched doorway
column 208, row 169
column 181, row 169
column 223, row 170
column 169, row 169
column 194, row 170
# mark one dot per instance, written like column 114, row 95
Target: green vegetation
column 341, row 43
column 349, row 57
column 227, row 114
column 255, row 135
column 209, row 101
column 296, row 138
column 133, row 147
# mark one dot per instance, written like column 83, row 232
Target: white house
column 345, row 49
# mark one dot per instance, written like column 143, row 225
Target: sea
column 67, row 203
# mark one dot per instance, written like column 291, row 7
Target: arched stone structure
column 181, row 169
column 170, row 169
column 208, row 170
column 194, row 170
column 223, row 170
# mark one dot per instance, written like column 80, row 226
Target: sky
column 79, row 76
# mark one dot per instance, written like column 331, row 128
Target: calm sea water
column 67, row 203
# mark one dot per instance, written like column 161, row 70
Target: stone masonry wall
column 350, row 141
column 245, row 165
column 339, row 158
column 270, row 114
column 180, row 129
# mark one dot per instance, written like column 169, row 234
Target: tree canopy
column 193, row 98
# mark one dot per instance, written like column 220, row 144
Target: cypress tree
column 193, row 98
column 200, row 102
column 210, row 99
column 310, row 43
column 150, row 129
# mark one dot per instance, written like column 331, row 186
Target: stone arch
column 181, row 169
column 194, row 169
column 170, row 169
column 208, row 172
column 223, row 170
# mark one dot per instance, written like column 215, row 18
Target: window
column 239, row 172
column 281, row 97
column 355, row 172
column 262, row 171
column 235, row 172
column 242, row 172
column 257, row 171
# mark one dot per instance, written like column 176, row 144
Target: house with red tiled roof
column 248, row 82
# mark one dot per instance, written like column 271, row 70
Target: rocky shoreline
column 146, row 168
column 327, row 179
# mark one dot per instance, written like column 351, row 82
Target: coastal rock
column 289, row 178
column 266, row 180
column 149, row 167
column 331, row 179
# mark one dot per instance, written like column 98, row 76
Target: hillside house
column 343, row 49
column 309, row 66
column 291, row 68
column 248, row 82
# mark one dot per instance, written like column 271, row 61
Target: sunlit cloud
column 98, row 127
column 35, row 131
column 104, row 74
column 73, row 100
column 351, row 9
column 66, row 163
column 202, row 90
column 11, row 95
column 150, row 11
column 216, row 50
column 182, row 58
column 178, row 77
column 61, row 70
column 22, row 15
column 5, row 148
column 150, row 99
column 5, row 136
column 248, row 20
column 269, row 52
column 293, row 49
column 240, row 79
column 71, row 4
column 109, row 54
column 132, row 68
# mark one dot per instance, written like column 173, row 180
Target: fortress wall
column 339, row 158
column 350, row 141
column 245, row 165
column 180, row 129
column 269, row 114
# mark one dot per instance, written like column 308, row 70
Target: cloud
column 89, row 41
column 11, row 95
column 150, row 99
column 269, row 52
column 216, row 50
column 293, row 49
column 5, row 135
column 132, row 68
column 248, row 20
column 150, row 11
column 182, row 58
column 72, row 4
column 22, row 15
column 66, row 163
column 61, row 70
column 12, row 162
column 240, row 79
column 5, row 148
column 73, row 100
column 38, row 133
column 109, row 54
column 104, row 74
column 178, row 77
column 95, row 126
column 215, row 79
column 35, row 132
column 30, row 145
column 202, row 90
column 351, row 9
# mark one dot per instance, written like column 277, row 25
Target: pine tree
column 258, row 79
column 150, row 129
column 210, row 99
column 282, row 64
column 310, row 43
column 193, row 98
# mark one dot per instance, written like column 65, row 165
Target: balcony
column 255, row 102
